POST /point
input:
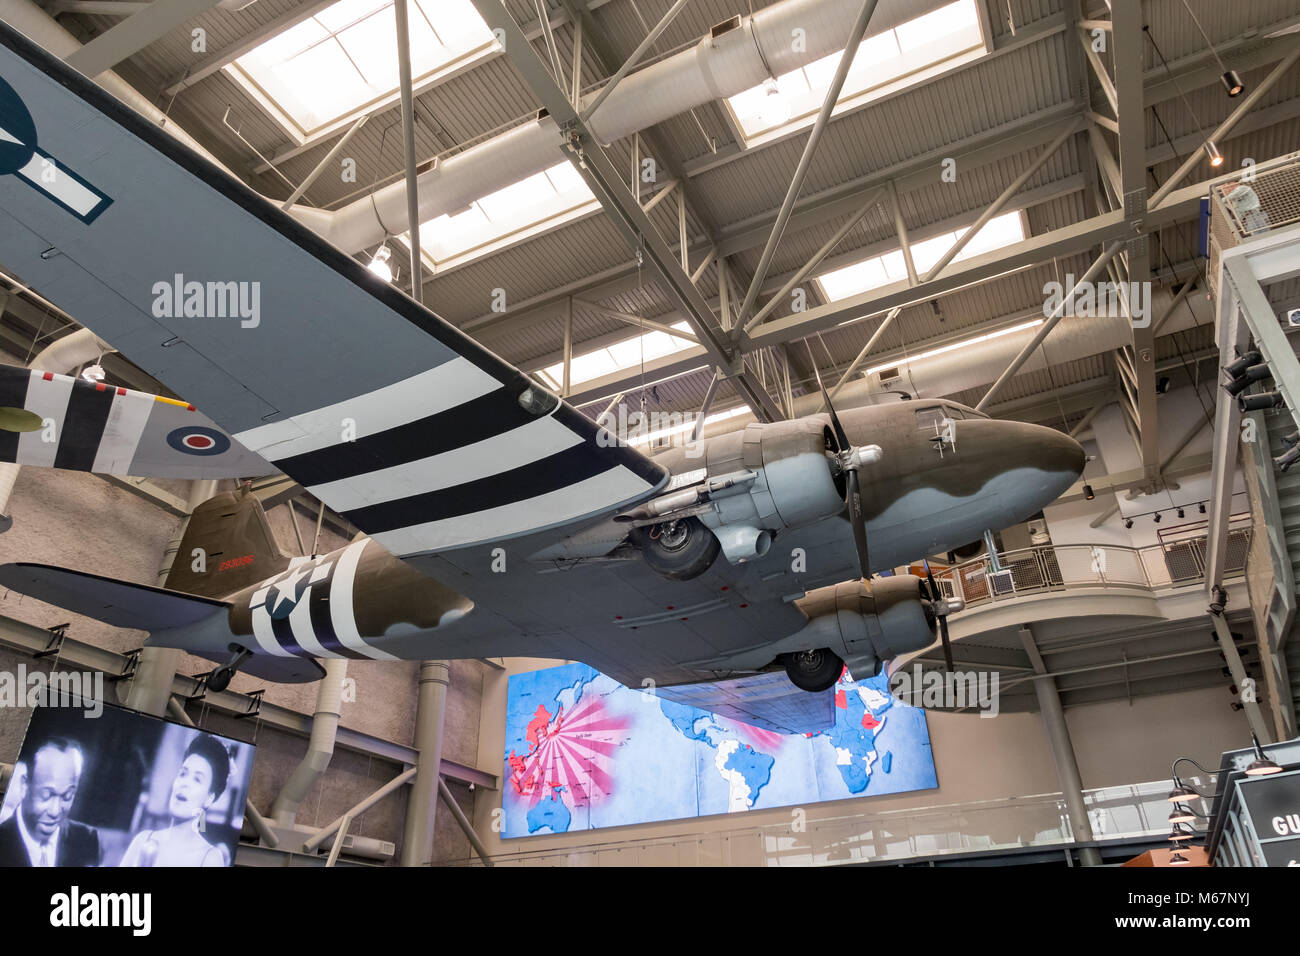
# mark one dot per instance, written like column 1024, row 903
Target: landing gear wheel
column 678, row 550
column 814, row 670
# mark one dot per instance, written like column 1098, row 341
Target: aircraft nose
column 1034, row 463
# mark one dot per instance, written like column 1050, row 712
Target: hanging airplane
column 498, row 520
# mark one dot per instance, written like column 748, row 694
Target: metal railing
column 1114, row 813
column 1170, row 564
column 1263, row 198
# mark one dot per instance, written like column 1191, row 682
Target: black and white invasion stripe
column 449, row 458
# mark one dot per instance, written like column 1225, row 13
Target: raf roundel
column 197, row 440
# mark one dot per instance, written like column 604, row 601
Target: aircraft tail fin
column 227, row 546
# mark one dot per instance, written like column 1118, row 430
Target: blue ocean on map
column 583, row 751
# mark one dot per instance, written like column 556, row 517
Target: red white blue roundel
column 198, row 440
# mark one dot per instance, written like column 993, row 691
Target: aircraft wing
column 62, row 422
column 767, row 701
column 385, row 412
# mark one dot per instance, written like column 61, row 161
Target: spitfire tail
column 227, row 546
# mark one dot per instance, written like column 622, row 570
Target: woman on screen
column 200, row 780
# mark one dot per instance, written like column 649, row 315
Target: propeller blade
column 853, row 498
column 936, row 595
column 841, row 437
column 947, row 644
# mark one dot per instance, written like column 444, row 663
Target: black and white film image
column 123, row 789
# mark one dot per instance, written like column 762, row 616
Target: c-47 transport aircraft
column 497, row 520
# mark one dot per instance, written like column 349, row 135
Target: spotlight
column 1212, row 151
column 1128, row 522
column 1179, row 834
column 1261, row 401
column 1181, row 513
column 1232, row 82
column 1241, row 382
column 1156, row 519
column 1181, row 814
column 1288, row 458
column 1202, row 507
column 1087, row 492
column 379, row 264
column 93, row 373
column 1178, row 859
column 1243, row 362
column 1261, row 766
column 1162, row 385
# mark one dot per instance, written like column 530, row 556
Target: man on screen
column 40, row 833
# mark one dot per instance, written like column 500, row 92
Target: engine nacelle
column 744, row 487
column 867, row 625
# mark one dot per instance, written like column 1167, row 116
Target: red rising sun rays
column 574, row 751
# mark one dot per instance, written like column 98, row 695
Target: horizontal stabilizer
column 277, row 670
column 767, row 701
column 57, row 421
column 119, row 603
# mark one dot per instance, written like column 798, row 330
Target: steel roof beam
column 590, row 161
column 129, row 37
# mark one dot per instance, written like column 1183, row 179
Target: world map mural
column 583, row 751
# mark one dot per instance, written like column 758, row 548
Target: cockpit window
column 955, row 413
column 929, row 419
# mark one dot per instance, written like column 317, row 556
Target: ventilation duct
column 980, row 363
column 773, row 41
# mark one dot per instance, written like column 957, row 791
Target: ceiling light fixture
column 775, row 109
column 93, row 373
column 1181, row 813
column 1178, row 859
column 1212, row 151
column 1087, row 492
column 379, row 264
column 1231, row 81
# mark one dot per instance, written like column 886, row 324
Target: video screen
column 123, row 789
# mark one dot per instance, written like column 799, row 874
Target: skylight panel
column 343, row 60
column 523, row 209
column 622, row 355
column 877, row 271
column 884, row 63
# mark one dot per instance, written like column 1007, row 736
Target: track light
column 1261, row 401
column 1232, row 82
column 1156, row 519
column 1212, row 151
column 379, row 265
column 1162, row 384
column 1181, row 513
column 1261, row 766
column 1202, row 507
column 1128, row 522
column 1087, row 492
